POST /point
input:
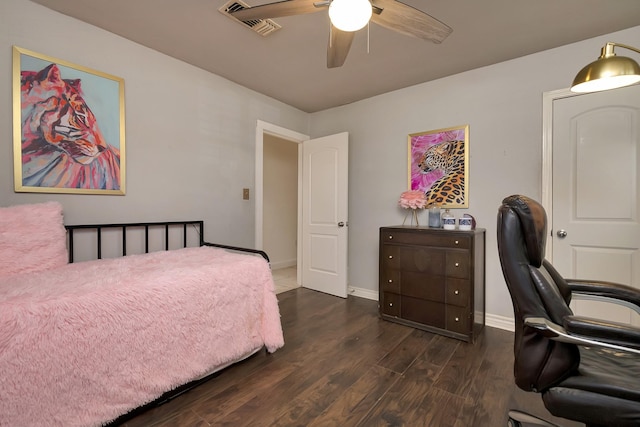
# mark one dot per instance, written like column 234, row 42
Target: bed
column 86, row 343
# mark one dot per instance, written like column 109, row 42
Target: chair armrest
column 611, row 332
column 555, row 332
column 606, row 290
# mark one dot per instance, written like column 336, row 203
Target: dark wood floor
column 343, row 366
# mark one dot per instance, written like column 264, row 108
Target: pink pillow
column 32, row 238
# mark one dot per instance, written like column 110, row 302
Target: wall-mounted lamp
column 608, row 72
column 350, row 15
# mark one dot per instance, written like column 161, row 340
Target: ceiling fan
column 390, row 14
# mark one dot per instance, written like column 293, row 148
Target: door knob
column 562, row 234
column 341, row 224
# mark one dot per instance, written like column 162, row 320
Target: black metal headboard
column 147, row 226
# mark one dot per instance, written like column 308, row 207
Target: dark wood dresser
column 433, row 279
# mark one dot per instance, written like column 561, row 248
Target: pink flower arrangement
column 413, row 200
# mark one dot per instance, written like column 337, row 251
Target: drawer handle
column 457, row 319
column 390, row 281
column 456, row 242
column 456, row 292
column 457, row 264
column 390, row 256
column 390, row 304
column 391, row 237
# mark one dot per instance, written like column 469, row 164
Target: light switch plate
column 245, row 194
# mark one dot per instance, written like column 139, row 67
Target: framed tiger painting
column 68, row 127
column 439, row 166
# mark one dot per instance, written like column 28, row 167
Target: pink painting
column 69, row 127
column 438, row 166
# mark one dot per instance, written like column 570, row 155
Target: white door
column 324, row 214
column 596, row 153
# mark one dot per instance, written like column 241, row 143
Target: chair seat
column 604, row 391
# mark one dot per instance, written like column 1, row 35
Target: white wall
column 501, row 103
column 190, row 135
column 280, row 194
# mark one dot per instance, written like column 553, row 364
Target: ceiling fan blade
column 339, row 45
column 278, row 10
column 409, row 21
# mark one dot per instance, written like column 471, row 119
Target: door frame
column 547, row 157
column 263, row 128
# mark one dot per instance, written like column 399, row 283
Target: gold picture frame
column 439, row 166
column 68, row 127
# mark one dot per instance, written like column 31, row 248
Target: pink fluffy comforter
column 85, row 343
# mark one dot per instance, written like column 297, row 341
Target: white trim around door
column 547, row 156
column 290, row 135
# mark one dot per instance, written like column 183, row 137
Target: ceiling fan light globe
column 350, row 15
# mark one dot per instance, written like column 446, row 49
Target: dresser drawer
column 436, row 238
column 390, row 304
column 424, row 286
column 458, row 292
column 458, row 264
column 390, row 257
column 422, row 311
column 418, row 285
column 390, row 281
column 413, row 258
column 457, row 319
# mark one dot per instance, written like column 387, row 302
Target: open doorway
column 278, row 195
column 280, row 209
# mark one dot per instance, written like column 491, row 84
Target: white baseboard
column 492, row 320
column 363, row 293
column 500, row 322
column 283, row 264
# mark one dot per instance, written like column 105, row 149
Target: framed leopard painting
column 439, row 166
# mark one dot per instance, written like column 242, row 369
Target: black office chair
column 587, row 370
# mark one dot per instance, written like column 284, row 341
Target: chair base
column 517, row 418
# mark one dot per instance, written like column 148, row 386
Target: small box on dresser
column 433, row 279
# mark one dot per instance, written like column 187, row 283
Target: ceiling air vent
column 264, row 27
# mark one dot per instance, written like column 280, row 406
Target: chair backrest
column 537, row 290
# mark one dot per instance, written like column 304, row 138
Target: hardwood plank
column 439, row 408
column 184, row 418
column 492, row 379
column 399, row 404
column 405, row 353
column 356, row 401
column 309, row 404
column 440, row 350
column 413, row 401
column 348, row 361
column 228, row 400
column 461, row 369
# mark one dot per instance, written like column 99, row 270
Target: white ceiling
column 290, row 64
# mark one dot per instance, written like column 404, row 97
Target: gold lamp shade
column 607, row 72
